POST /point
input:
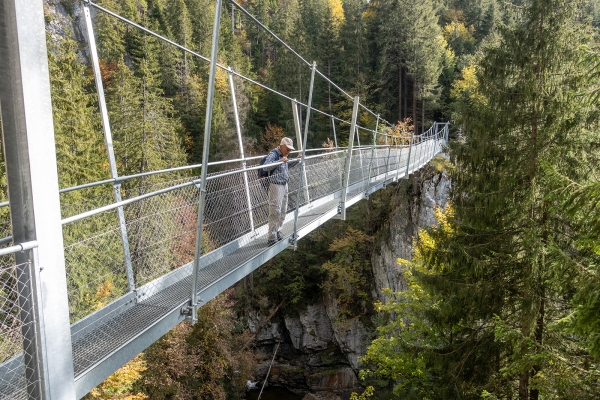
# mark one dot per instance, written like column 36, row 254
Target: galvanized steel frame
column 293, row 239
column 238, row 129
column 205, row 153
column 346, row 176
column 31, row 135
column 29, row 146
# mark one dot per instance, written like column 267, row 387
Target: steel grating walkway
column 95, row 345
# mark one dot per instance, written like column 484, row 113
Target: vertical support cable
column 109, row 144
column 205, row 149
column 418, row 150
column 360, row 153
column 238, row 129
column 432, row 145
column 399, row 156
column 31, row 174
column 435, row 136
column 296, row 113
column 303, row 161
column 387, row 165
column 346, row 177
column 447, row 130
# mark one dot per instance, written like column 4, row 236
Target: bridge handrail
column 187, row 167
column 115, row 205
column 18, row 247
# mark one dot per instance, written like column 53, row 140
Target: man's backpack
column 261, row 172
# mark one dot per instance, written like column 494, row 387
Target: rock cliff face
column 65, row 19
column 421, row 195
column 319, row 354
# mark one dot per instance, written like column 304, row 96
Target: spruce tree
column 492, row 290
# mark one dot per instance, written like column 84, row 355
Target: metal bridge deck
column 97, row 344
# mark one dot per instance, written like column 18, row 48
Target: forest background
column 427, row 60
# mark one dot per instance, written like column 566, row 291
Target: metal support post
column 109, row 144
column 418, row 151
column 32, row 177
column 309, row 105
column 205, row 150
column 346, row 175
column 435, row 137
column 445, row 134
column 334, row 134
column 360, row 155
column 299, row 142
column 410, row 145
column 373, row 154
column 238, row 129
column 336, row 145
column 399, row 157
column 387, row 164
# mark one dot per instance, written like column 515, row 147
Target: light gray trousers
column 278, row 202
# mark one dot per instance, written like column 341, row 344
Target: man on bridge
column 278, row 186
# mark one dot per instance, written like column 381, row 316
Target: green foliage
column 495, row 288
column 333, row 260
column 349, row 273
column 81, row 153
column 204, row 361
column 120, row 384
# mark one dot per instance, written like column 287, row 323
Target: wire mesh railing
column 19, row 325
column 162, row 227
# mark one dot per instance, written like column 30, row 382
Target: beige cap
column 288, row 143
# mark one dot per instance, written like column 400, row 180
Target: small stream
column 273, row 393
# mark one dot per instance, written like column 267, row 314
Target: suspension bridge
column 91, row 275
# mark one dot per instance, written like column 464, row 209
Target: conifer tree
column 492, row 288
column 79, row 142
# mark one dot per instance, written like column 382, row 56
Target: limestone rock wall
column 418, row 198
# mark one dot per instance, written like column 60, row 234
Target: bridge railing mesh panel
column 162, row 232
column 17, row 332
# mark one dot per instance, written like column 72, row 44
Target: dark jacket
column 279, row 174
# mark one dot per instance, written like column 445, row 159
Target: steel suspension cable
column 287, row 46
column 148, row 31
column 185, row 49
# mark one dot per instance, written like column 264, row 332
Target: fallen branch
column 262, row 326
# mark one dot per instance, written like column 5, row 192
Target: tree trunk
column 423, row 115
column 414, row 107
column 523, row 383
column 399, row 93
column 405, row 108
column 539, row 338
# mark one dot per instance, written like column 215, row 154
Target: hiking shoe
column 279, row 237
column 271, row 242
